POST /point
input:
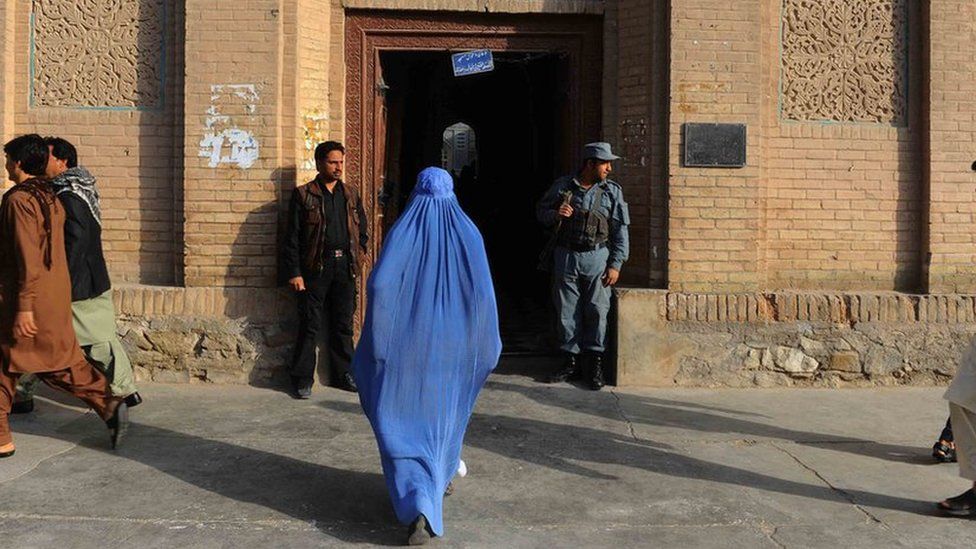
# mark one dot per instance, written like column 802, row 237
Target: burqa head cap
column 434, row 182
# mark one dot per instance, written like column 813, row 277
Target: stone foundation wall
column 235, row 335
column 790, row 339
column 209, row 335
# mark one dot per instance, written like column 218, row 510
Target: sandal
column 7, row 450
column 963, row 505
column 944, row 452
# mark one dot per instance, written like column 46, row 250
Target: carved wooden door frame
column 370, row 32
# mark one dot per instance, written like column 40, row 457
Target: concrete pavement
column 549, row 466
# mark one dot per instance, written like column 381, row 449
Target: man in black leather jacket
column 322, row 258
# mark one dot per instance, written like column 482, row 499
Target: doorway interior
column 505, row 135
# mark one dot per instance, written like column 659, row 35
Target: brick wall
column 132, row 152
column 637, row 45
column 835, row 204
column 715, row 215
column 952, row 146
column 314, row 68
column 236, row 98
column 844, row 197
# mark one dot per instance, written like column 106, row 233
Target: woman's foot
column 7, row 450
column 944, row 451
column 963, row 505
column 419, row 532
column 450, row 489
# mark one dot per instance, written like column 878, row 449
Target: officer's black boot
column 596, row 373
column 568, row 371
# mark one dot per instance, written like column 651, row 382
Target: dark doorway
column 505, row 136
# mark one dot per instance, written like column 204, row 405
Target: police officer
column 590, row 217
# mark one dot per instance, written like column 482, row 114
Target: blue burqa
column 429, row 341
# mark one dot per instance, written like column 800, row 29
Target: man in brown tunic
column 36, row 334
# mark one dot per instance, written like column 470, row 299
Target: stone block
column 881, row 361
column 794, row 362
column 141, row 374
column 813, row 347
column 174, row 344
column 753, row 360
column 648, row 354
column 135, row 339
column 223, row 343
column 845, row 361
column 171, row 376
column 771, row 379
column 226, row 377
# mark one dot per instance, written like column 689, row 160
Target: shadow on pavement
column 565, row 447
column 658, row 412
column 347, row 505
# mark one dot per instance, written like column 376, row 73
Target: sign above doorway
column 472, row 62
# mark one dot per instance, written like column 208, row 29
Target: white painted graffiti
column 224, row 142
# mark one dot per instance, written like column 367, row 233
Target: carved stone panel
column 97, row 53
column 844, row 60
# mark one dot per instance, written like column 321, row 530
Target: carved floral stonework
column 845, row 60
column 97, row 53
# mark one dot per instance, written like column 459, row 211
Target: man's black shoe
column 568, row 372
column 348, row 383
column 22, row 406
column 596, row 373
column 133, row 400
column 301, row 389
column 118, row 424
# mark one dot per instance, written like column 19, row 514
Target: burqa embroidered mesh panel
column 430, row 338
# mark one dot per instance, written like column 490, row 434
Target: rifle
column 545, row 258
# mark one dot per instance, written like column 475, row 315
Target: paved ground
column 550, row 466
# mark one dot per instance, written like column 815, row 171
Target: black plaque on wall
column 715, row 145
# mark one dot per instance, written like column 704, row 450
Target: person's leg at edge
column 944, row 449
column 87, row 384
column 110, row 358
column 8, row 384
column 964, row 431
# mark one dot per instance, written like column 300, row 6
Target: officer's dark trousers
column 329, row 300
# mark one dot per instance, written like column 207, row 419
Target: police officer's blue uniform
column 594, row 239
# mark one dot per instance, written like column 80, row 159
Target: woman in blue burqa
column 430, row 338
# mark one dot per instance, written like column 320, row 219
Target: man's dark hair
column 31, row 151
column 325, row 148
column 62, row 149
